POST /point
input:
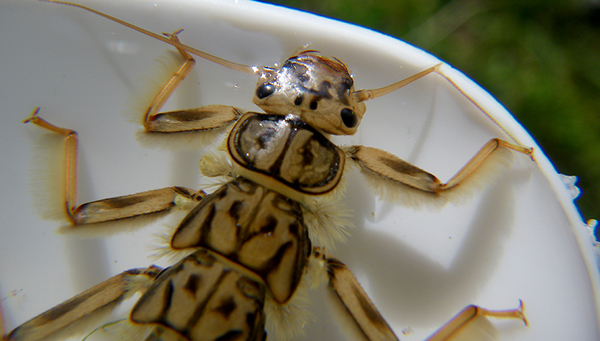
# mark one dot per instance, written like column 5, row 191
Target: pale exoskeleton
column 288, row 171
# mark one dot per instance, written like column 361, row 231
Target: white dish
column 520, row 239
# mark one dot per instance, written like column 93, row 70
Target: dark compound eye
column 349, row 118
column 265, row 90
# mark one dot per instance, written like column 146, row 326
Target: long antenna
column 234, row 66
column 365, row 95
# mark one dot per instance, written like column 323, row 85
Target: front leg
column 195, row 119
column 395, row 179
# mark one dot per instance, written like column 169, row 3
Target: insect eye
column 265, row 90
column 349, row 118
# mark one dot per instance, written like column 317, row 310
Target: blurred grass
column 538, row 58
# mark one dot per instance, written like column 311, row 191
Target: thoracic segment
column 252, row 226
column 285, row 154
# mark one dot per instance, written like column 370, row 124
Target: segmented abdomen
column 203, row 298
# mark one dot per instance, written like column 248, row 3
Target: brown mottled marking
column 254, row 227
column 285, row 151
column 231, row 335
column 186, row 192
column 234, row 210
column 194, row 281
column 226, row 306
column 218, row 307
column 391, row 167
column 202, row 118
column 269, row 226
column 400, row 166
column 105, row 295
column 127, row 206
column 368, row 308
column 358, row 304
column 200, row 216
column 128, row 200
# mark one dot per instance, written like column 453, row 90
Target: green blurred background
column 539, row 58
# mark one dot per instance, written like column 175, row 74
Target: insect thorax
column 254, row 227
column 285, row 154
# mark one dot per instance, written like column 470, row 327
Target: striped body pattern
column 245, row 247
column 203, row 298
column 251, row 240
column 254, row 227
column 285, row 153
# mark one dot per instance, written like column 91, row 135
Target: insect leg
column 469, row 315
column 112, row 208
column 89, row 304
column 355, row 299
column 194, row 119
column 386, row 169
column 486, row 151
column 373, row 325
